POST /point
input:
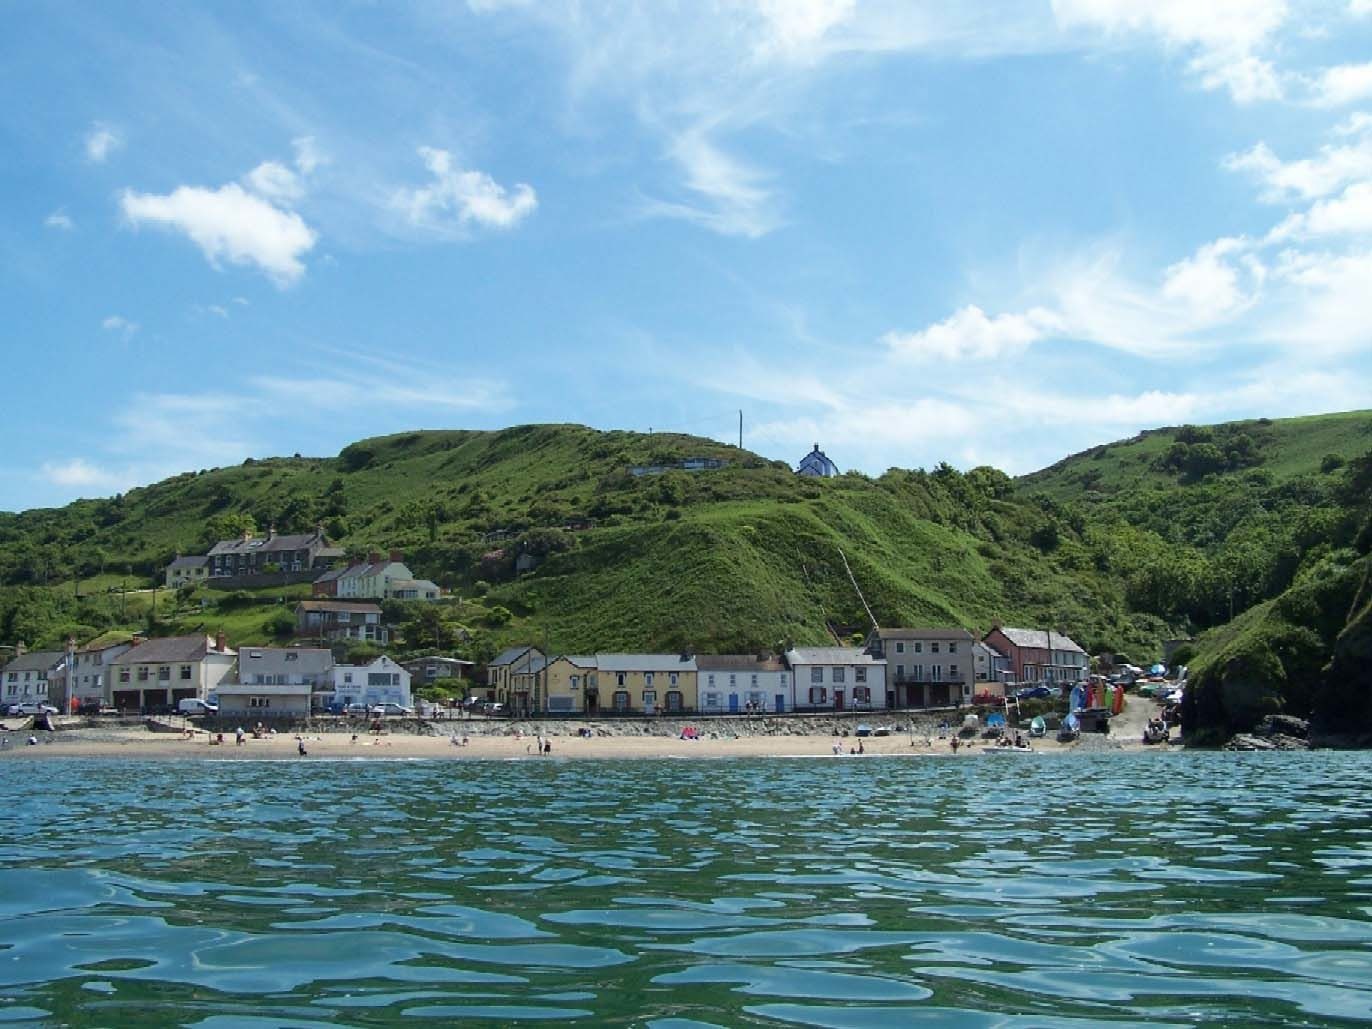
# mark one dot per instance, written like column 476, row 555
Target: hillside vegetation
column 1122, row 546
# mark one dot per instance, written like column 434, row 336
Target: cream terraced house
column 743, row 684
column 837, row 679
column 930, row 667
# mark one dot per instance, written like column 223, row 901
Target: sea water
column 1111, row 889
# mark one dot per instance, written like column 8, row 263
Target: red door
column 838, row 700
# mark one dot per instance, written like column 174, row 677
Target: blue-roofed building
column 816, row 463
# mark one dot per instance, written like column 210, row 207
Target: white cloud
column 1358, row 8
column 231, row 224
column 1224, row 34
column 457, row 198
column 794, row 26
column 120, row 325
column 59, row 220
column 1209, row 285
column 1343, row 84
column 968, row 334
column 78, row 473
column 1309, row 177
column 1356, row 124
column 101, row 141
column 1348, row 214
column 218, row 310
column 275, row 182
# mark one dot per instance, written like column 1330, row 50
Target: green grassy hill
column 1121, row 546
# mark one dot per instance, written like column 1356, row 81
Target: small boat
column 882, row 730
column 863, row 729
column 1038, row 728
column 1070, row 729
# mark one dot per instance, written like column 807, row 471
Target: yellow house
column 645, row 683
column 572, row 685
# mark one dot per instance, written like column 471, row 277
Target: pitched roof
column 925, row 634
column 645, row 663
column 739, row 663
column 338, row 605
column 189, row 562
column 508, row 656
column 168, row 649
column 1040, row 638
column 36, row 661
column 264, row 544
column 332, row 574
column 105, row 641
column 579, row 660
column 830, row 656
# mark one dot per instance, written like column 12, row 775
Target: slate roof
column 308, row 661
column 739, row 663
column 830, row 656
column 508, row 656
column 644, row 663
column 926, row 634
column 265, row 545
column 338, row 605
column 37, row 661
column 166, row 650
column 189, row 562
column 1040, row 639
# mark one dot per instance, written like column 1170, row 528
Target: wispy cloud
column 120, row 326
column 59, row 219
column 101, row 141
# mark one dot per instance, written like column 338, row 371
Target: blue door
column 733, row 703
column 781, row 703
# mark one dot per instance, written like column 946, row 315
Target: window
column 862, row 695
column 621, row 699
column 185, row 671
column 292, row 657
column 933, row 647
column 164, row 673
column 818, row 695
column 647, row 678
column 259, row 702
column 816, row 675
column 142, row 673
column 710, row 679
column 649, row 697
column 619, row 681
column 575, row 682
column 952, row 671
column 839, row 675
column 733, row 680
column 753, row 680
column 859, row 675
column 952, row 648
column 900, row 671
column 919, row 647
column 900, row 647
column 347, row 677
column 671, row 678
column 123, row 675
column 711, row 700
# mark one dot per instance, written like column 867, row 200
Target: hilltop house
column 187, row 571
column 925, row 667
column 376, row 578
column 381, row 682
column 340, row 620
column 27, row 675
column 817, row 464
column 744, row 683
column 155, row 675
column 1039, row 655
column 837, row 678
column 262, row 555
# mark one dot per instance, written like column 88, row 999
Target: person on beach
column 300, row 746
column 547, row 747
column 239, row 736
column 954, row 744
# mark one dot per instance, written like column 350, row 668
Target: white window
column 839, row 675
column 816, row 675
column 952, row 648
column 859, row 675
column 919, row 647
column 647, row 678
column 933, row 647
column 671, row 678
column 753, row 680
column 952, row 671
column 712, row 700
column 900, row 647
column 818, row 695
column 649, row 697
column 710, row 679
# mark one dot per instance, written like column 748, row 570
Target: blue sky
column 911, row 231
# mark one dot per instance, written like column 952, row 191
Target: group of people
column 858, row 749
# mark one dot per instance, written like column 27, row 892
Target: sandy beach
column 497, row 741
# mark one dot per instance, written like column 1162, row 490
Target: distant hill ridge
column 1121, row 546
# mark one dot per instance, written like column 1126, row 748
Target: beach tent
column 1078, row 698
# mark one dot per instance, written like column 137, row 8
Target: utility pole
column 740, row 428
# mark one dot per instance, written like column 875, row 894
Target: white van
column 196, row 706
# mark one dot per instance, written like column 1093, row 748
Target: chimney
column 247, row 535
column 221, row 642
column 397, row 556
column 374, row 557
column 271, row 532
column 135, row 639
column 20, row 650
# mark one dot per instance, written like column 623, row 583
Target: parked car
column 196, row 706
column 1033, row 693
column 31, row 707
column 392, row 709
column 355, row 709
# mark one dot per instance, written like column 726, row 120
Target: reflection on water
column 1114, row 889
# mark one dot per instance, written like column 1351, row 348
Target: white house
column 263, row 701
column 84, row 683
column 375, row 578
column 26, row 677
column 381, row 682
column 817, row 465
column 990, row 664
column 837, row 678
column 744, row 683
